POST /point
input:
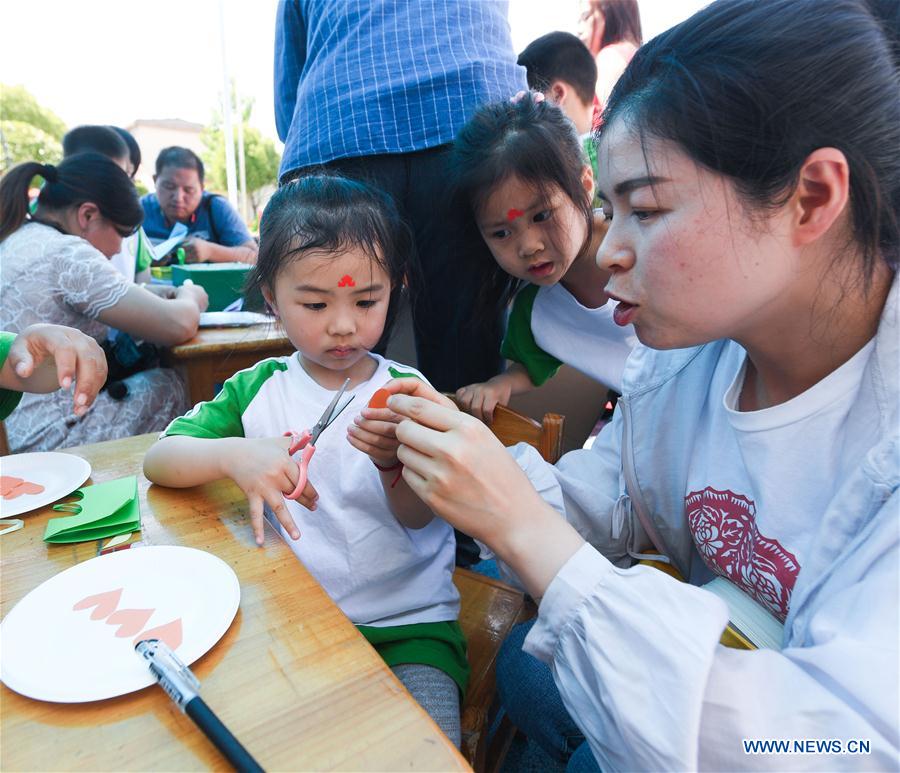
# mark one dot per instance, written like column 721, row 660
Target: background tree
column 260, row 156
column 28, row 131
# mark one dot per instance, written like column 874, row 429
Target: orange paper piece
column 12, row 487
column 130, row 621
column 379, row 399
column 105, row 603
column 170, row 633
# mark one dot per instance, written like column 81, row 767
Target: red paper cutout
column 106, row 603
column 346, row 281
column 379, row 399
column 130, row 621
column 513, row 214
column 12, row 487
column 170, row 633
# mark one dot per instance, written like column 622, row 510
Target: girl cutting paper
column 331, row 258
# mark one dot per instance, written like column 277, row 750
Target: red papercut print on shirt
column 723, row 525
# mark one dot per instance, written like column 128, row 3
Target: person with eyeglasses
column 55, row 268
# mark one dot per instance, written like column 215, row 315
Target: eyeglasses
column 124, row 231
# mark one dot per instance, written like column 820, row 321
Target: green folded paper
column 103, row 510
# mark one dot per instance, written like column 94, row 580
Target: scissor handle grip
column 298, row 440
column 308, row 451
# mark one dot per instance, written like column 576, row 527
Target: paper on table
column 233, row 319
column 104, row 510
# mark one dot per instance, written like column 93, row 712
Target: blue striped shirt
column 363, row 77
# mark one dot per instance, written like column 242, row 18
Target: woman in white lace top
column 54, row 267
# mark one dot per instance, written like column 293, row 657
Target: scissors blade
column 326, row 418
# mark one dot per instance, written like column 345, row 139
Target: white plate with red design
column 72, row 638
column 30, row 481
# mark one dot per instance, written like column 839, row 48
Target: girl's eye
column 500, row 233
column 543, row 215
column 366, row 304
column 642, row 215
column 314, row 306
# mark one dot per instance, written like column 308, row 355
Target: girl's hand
column 46, row 357
column 265, row 472
column 481, row 399
column 374, row 432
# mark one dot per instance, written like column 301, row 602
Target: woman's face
column 98, row 230
column 688, row 263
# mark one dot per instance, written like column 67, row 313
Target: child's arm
column 44, row 358
column 261, row 467
column 374, row 433
column 481, row 399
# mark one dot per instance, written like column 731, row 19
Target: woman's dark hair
column 84, row 177
column 134, row 150
column 622, row 21
column 332, row 213
column 94, row 139
column 749, row 90
column 179, row 158
column 528, row 139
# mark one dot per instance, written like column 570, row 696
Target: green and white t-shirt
column 379, row 572
column 9, row 398
column 548, row 327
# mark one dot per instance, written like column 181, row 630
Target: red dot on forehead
column 346, row 281
column 513, row 214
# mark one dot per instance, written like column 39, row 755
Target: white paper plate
column 59, row 474
column 54, row 652
column 233, row 319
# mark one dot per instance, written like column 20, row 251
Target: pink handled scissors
column 306, row 440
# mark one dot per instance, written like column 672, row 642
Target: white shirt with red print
column 808, row 494
column 758, row 479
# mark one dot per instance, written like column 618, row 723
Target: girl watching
column 523, row 181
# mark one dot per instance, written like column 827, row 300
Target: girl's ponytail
column 14, row 194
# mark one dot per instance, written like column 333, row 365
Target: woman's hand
column 456, row 465
column 195, row 293
column 481, row 399
column 44, row 358
column 266, row 472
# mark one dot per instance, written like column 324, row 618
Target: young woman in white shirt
column 749, row 163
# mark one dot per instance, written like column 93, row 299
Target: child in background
column 525, row 183
column 332, row 256
column 560, row 66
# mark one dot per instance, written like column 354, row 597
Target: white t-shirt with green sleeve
column 379, row 572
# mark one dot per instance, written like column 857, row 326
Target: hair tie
column 50, row 174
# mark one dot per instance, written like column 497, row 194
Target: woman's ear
column 823, row 189
column 86, row 213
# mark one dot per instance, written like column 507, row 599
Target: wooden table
column 292, row 677
column 215, row 354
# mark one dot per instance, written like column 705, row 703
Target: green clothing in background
column 519, row 344
column 9, row 398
